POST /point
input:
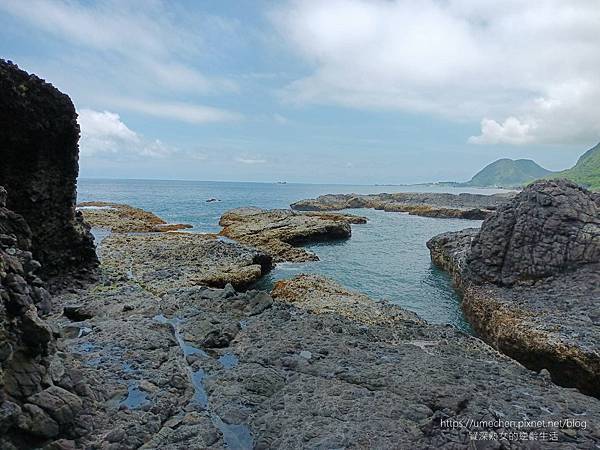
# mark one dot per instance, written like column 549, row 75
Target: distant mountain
column 586, row 172
column 508, row 173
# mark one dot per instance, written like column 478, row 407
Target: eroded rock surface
column 39, row 167
column 119, row 217
column 209, row 368
column 462, row 206
column 530, row 280
column 169, row 260
column 548, row 229
column 278, row 232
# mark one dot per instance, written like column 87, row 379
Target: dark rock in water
column 549, row 228
column 530, row 280
column 39, row 167
column 441, row 205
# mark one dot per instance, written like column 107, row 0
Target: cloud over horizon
column 105, row 136
column 527, row 70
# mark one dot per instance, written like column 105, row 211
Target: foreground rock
column 278, row 232
column 120, row 218
column 462, row 206
column 39, row 167
column 530, row 280
column 214, row 368
column 171, row 260
column 34, row 406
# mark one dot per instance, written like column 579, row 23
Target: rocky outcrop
column 171, row 260
column 213, row 368
column 33, row 408
column 278, row 232
column 39, row 167
column 530, row 280
column 120, row 218
column 548, row 229
column 442, row 205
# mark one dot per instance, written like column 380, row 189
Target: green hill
column 508, row 173
column 586, row 172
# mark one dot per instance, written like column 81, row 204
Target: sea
column 386, row 258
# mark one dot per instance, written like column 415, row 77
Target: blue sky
column 341, row 91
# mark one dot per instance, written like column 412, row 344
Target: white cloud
column 511, row 131
column 529, row 69
column 104, row 135
column 280, row 119
column 250, row 161
column 184, row 112
column 140, row 49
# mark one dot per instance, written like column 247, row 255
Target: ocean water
column 385, row 258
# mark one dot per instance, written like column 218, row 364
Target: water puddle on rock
column 235, row 436
column 136, row 398
column 229, row 360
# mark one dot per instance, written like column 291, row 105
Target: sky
column 327, row 91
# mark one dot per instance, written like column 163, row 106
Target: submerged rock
column 278, row 232
column 119, row 217
column 39, row 167
column 530, row 280
column 443, row 205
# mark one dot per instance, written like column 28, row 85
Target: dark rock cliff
column 32, row 407
column 39, row 167
column 41, row 237
column 549, row 228
column 530, row 280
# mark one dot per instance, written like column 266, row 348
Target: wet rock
column 39, row 169
column 530, row 280
column 278, row 232
column 462, row 206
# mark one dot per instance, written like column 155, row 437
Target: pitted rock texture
column 32, row 408
column 540, row 302
column 215, row 368
column 549, row 228
column 278, row 232
column 119, row 217
column 39, row 167
column 170, row 260
column 442, row 205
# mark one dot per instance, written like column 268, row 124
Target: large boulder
column 39, row 168
column 549, row 228
column 530, row 280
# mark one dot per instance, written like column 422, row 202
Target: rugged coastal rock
column 121, row 218
column 278, row 232
column 39, row 167
column 530, row 280
column 462, row 206
column 214, row 368
column 173, row 260
column 34, row 404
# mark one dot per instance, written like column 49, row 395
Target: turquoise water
column 385, row 258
